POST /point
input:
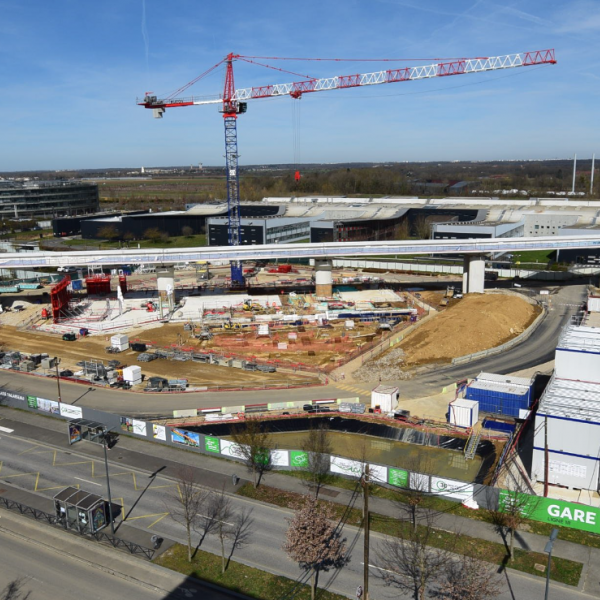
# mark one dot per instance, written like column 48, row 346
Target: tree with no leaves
column 227, row 525
column 318, row 446
column 13, row 591
column 418, row 487
column 313, row 541
column 186, row 503
column 255, row 444
column 187, row 231
column 409, row 562
column 469, row 579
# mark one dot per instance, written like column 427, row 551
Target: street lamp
column 107, row 440
column 56, row 363
column 548, row 549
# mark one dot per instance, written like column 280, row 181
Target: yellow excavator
column 249, row 306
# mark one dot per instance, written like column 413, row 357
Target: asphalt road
column 46, row 469
column 538, row 349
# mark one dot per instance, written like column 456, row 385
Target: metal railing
column 99, row 536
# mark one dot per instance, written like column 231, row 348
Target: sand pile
column 477, row 322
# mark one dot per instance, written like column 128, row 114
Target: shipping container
column 120, row 342
column 132, row 374
column 384, row 397
column 463, row 413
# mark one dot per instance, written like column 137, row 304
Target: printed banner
column 32, row 402
column 74, row 433
column 211, row 444
column 345, row 466
column 49, row 406
column 159, row 432
column 230, row 449
column 13, row 395
column 189, row 438
column 139, row 427
column 398, row 477
column 70, row 411
column 452, row 489
column 280, row 458
column 298, row 458
column 127, row 424
column 555, row 512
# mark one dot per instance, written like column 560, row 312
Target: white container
column 132, row 374
column 384, row 396
column 120, row 341
column 463, row 412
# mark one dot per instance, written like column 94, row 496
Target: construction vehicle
column 204, row 335
column 251, row 306
column 230, row 325
column 234, row 102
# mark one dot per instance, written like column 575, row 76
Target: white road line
column 379, row 568
column 216, row 520
column 86, row 481
column 6, row 429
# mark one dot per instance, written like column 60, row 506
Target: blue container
column 498, row 425
column 495, row 401
column 77, row 284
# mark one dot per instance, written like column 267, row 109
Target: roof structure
column 580, row 337
column 572, row 400
column 517, row 386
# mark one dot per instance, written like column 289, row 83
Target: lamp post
column 56, row 363
column 104, row 434
column 548, row 549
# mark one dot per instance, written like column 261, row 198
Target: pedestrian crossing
column 354, row 389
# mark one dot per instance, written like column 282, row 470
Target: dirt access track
column 475, row 323
column 93, row 348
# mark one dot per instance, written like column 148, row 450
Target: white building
column 570, row 410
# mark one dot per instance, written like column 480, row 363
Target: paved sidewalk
column 217, row 473
column 115, row 564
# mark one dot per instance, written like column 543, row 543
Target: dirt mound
column 477, row 322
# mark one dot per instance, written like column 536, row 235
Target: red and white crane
column 234, row 101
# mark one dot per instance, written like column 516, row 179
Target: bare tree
column 418, row 487
column 313, row 541
column 469, row 579
column 513, row 510
column 186, row 503
column 402, row 230
column 187, row 231
column 13, row 591
column 318, row 446
column 410, row 562
column 422, row 228
column 108, row 232
column 255, row 444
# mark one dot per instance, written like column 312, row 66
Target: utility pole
column 546, row 456
column 366, row 521
column 592, row 177
column 574, row 173
column 56, row 363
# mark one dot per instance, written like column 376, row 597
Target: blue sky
column 70, row 72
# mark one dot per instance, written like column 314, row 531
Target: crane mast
column 234, row 102
column 230, row 111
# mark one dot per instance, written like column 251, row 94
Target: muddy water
column 437, row 461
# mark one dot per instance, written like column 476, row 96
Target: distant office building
column 46, row 200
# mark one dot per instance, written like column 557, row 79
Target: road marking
column 6, row 430
column 215, row 520
column 380, row 568
column 86, row 481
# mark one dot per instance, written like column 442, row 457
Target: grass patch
column 584, row 538
column 563, row 570
column 238, row 577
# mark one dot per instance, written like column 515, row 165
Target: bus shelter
column 83, row 511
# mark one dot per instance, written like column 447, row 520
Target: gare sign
column 555, row 512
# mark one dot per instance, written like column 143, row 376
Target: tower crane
column 234, row 102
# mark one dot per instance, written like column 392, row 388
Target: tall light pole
column 56, row 363
column 365, row 481
column 104, row 435
column 548, row 549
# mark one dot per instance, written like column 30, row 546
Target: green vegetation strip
column 435, row 503
column 171, row 242
column 237, row 577
column 563, row 570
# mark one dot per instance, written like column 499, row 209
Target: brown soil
column 475, row 323
column 93, row 348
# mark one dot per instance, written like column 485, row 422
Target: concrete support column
column 475, row 274
column 465, row 286
column 323, row 277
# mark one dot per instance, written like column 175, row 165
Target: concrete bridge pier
column 474, row 274
column 323, row 277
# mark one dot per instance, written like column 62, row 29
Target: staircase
column 473, row 441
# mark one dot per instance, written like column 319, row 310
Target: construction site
column 167, row 324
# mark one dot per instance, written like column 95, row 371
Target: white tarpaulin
column 230, row 449
column 139, row 427
column 280, row 458
column 70, row 411
column 452, row 489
